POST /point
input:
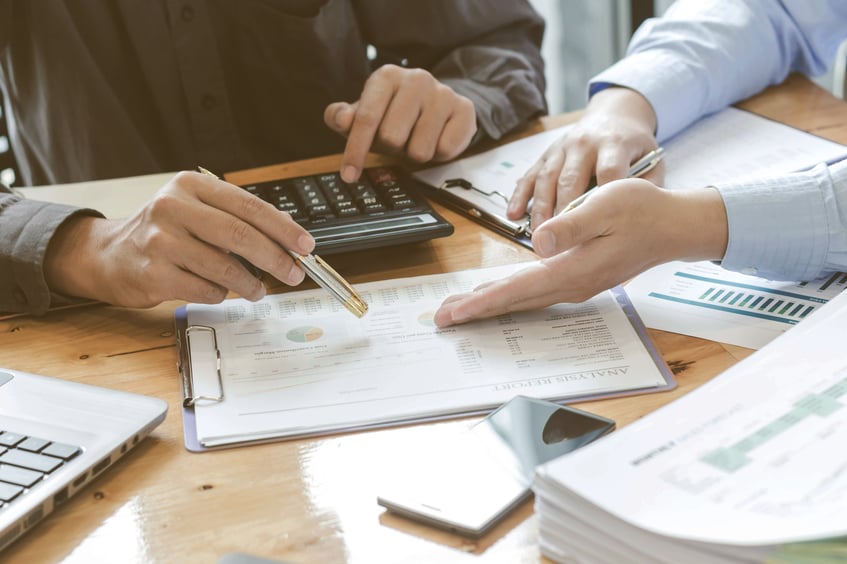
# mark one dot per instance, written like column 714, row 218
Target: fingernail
column 305, row 244
column 350, row 173
column 295, row 275
column 544, row 243
column 259, row 293
column 458, row 316
column 339, row 117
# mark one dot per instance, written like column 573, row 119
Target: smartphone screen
column 467, row 484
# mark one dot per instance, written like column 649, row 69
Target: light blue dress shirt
column 704, row 55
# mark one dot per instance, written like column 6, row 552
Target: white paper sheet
column 734, row 145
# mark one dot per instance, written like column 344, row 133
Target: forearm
column 68, row 266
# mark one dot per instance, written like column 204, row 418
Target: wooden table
column 310, row 500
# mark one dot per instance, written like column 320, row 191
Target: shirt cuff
column 663, row 80
column 778, row 226
column 26, row 289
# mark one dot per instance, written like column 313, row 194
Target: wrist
column 705, row 229
column 624, row 103
column 68, row 266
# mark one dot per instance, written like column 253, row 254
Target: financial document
column 704, row 300
column 754, row 457
column 298, row 363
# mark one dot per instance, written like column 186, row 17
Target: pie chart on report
column 427, row 319
column 304, row 334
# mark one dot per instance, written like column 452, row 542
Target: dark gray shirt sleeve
column 486, row 50
column 26, row 227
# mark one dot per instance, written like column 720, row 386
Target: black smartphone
column 470, row 482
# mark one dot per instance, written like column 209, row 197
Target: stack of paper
column 750, row 467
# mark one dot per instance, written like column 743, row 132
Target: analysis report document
column 297, row 364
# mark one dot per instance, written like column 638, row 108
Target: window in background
column 582, row 38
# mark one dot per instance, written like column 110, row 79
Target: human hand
column 402, row 111
column 619, row 231
column 177, row 247
column 615, row 130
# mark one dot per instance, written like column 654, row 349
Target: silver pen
column 325, row 276
column 639, row 168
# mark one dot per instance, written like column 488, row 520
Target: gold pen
column 639, row 168
column 325, row 276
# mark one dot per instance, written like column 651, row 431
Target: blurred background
column 583, row 37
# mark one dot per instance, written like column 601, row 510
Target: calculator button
column 319, row 210
column 402, row 203
column 346, row 209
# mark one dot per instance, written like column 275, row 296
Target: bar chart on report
column 704, row 300
column 781, row 303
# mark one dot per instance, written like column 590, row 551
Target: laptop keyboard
column 26, row 460
column 384, row 207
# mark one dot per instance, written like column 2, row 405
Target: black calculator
column 384, row 207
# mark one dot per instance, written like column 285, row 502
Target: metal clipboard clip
column 492, row 220
column 188, row 376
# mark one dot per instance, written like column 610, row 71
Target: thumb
column 338, row 116
column 567, row 230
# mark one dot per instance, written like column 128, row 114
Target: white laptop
column 56, row 437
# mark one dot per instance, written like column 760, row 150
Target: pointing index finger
column 371, row 109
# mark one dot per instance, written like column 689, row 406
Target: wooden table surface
column 311, row 500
